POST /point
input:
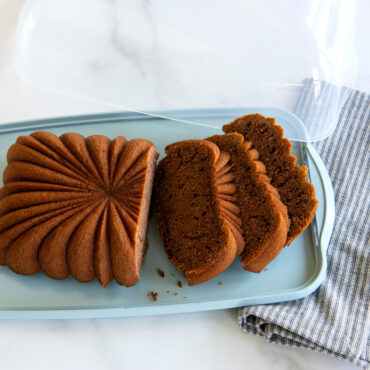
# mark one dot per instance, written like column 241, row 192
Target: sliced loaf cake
column 198, row 217
column 289, row 179
column 264, row 217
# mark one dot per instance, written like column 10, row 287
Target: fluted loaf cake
column 76, row 206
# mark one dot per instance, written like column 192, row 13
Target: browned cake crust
column 289, row 179
column 198, row 218
column 264, row 218
column 76, row 206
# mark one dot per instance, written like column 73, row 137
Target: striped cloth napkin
column 335, row 319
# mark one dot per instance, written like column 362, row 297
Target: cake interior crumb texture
column 189, row 207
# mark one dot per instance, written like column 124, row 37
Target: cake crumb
column 172, row 274
column 167, row 291
column 160, row 273
column 179, row 283
column 220, row 283
column 176, row 293
column 184, row 297
column 154, row 295
column 265, row 269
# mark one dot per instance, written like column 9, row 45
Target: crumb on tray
column 160, row 272
column 154, row 295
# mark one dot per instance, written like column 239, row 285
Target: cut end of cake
column 193, row 184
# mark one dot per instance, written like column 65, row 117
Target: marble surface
column 205, row 340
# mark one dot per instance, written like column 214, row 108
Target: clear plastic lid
column 163, row 56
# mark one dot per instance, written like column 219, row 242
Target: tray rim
column 305, row 289
column 58, row 121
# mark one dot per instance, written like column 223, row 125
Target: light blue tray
column 295, row 273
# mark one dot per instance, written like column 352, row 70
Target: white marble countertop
column 205, row 340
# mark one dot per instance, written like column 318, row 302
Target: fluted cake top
column 71, row 205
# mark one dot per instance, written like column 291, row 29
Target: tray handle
column 323, row 237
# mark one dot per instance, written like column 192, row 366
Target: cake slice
column 198, row 217
column 264, row 217
column 289, row 179
column 76, row 206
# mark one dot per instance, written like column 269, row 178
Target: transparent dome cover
column 163, row 56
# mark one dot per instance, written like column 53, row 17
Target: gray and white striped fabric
column 335, row 319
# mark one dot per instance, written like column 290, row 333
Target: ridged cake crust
column 289, row 179
column 76, row 206
column 198, row 217
column 264, row 217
